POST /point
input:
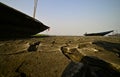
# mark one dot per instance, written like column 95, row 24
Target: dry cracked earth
column 42, row 56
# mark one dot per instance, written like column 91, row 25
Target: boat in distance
column 98, row 34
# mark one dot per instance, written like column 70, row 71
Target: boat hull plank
column 15, row 23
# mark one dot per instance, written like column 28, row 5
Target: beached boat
column 98, row 34
column 14, row 23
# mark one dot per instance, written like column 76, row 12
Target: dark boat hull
column 14, row 23
column 98, row 34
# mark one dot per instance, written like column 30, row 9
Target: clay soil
column 48, row 60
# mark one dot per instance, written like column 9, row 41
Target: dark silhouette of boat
column 98, row 34
column 14, row 23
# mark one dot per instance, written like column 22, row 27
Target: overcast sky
column 72, row 17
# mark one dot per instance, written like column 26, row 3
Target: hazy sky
column 73, row 17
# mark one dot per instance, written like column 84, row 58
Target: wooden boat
column 14, row 23
column 98, row 34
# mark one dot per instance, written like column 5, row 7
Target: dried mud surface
column 42, row 57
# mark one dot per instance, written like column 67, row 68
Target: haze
column 72, row 17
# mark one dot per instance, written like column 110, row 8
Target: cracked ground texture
column 46, row 59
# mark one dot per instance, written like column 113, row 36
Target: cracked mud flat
column 42, row 57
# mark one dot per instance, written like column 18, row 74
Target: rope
column 35, row 7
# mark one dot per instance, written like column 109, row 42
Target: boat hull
column 98, row 34
column 14, row 23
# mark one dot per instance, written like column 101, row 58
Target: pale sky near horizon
column 72, row 17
